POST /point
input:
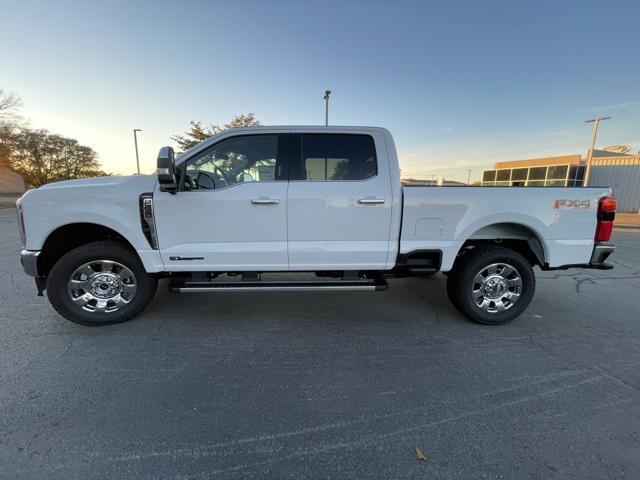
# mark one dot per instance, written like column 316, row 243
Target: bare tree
column 10, row 103
column 197, row 133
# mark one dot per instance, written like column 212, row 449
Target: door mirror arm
column 166, row 170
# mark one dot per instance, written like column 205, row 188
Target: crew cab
column 267, row 201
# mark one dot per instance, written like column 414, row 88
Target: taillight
column 606, row 215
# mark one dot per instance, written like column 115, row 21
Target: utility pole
column 135, row 141
column 469, row 176
column 596, row 123
column 326, row 106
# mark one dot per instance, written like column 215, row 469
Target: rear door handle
column 265, row 201
column 370, row 201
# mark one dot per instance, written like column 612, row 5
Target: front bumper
column 29, row 261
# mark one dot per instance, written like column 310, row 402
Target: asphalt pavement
column 325, row 385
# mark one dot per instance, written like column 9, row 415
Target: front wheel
column 491, row 285
column 100, row 283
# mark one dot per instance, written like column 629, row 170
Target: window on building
column 537, row 173
column 573, row 170
column 489, row 176
column 557, row 172
column 503, row 175
column 518, row 174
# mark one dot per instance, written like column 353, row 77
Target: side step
column 372, row 285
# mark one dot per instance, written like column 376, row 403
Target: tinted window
column 572, row 172
column 489, row 176
column 242, row 159
column 335, row 157
column 503, row 175
column 519, row 174
column 537, row 173
column 557, row 172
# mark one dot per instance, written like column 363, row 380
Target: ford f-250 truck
column 324, row 200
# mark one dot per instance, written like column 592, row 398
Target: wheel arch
column 524, row 238
column 72, row 235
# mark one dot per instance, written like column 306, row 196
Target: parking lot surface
column 331, row 385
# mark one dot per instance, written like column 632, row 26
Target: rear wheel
column 100, row 283
column 491, row 285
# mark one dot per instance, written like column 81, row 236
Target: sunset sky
column 459, row 84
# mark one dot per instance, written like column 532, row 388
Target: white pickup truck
column 276, row 200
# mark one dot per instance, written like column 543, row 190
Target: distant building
column 619, row 171
column 560, row 171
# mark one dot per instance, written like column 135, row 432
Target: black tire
column 498, row 309
column 111, row 251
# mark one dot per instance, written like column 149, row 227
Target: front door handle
column 370, row 201
column 265, row 201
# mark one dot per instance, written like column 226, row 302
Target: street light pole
column 326, row 106
column 469, row 177
column 135, row 141
column 596, row 124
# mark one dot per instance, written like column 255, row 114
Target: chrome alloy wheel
column 102, row 286
column 497, row 287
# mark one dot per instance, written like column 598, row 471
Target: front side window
column 335, row 157
column 242, row 159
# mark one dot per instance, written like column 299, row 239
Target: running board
column 372, row 285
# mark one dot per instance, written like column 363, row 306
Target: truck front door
column 230, row 211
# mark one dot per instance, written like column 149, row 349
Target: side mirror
column 166, row 170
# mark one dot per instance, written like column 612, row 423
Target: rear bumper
column 29, row 261
column 601, row 252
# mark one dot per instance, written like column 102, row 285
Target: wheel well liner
column 516, row 236
column 70, row 236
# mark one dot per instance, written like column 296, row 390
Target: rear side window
column 333, row 157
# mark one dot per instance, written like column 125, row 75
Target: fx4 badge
column 571, row 204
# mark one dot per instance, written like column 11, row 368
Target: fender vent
column 147, row 220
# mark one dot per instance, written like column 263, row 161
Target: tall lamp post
column 469, row 176
column 326, row 106
column 596, row 123
column 135, row 141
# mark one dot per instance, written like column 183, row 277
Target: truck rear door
column 339, row 202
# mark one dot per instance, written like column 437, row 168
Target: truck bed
column 444, row 218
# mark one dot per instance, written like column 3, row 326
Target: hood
column 106, row 187
column 99, row 181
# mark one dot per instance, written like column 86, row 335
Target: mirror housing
column 167, row 170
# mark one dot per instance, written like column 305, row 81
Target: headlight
column 23, row 232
